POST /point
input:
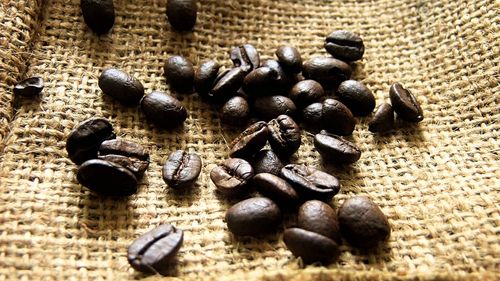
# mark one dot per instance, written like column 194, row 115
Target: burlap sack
column 438, row 182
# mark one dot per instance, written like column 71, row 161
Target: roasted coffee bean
column 204, row 77
column 276, row 188
column 163, row 110
column 284, row 135
column 357, row 97
column 179, row 72
column 156, row 250
column 99, row 15
column 336, row 149
column 289, row 57
column 128, row 154
column 29, row 87
column 311, row 183
column 362, row 223
column 312, row 117
column 84, row 141
column 284, row 80
column 121, row 86
column 107, row 178
column 235, row 111
column 232, row 177
column 306, row 92
column 261, row 82
column 383, row 120
column 337, row 118
column 345, row 45
column 246, row 57
column 253, row 217
column 405, row 104
column 266, row 161
column 227, row 84
column 329, row 72
column 136, row 166
column 181, row 14
column 250, row 141
column 310, row 246
column 271, row 107
column 319, row 217
column 181, row 169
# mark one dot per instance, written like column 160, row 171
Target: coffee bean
column 266, row 161
column 284, row 135
column 289, row 57
column 270, row 107
column 345, row 45
column 246, row 57
column 250, row 141
column 179, row 72
column 163, row 110
column 362, row 223
column 312, row 117
column 311, row 183
column 306, row 92
column 253, row 217
column 205, row 76
column 181, row 169
column 319, row 217
column 232, row 177
column 336, row 149
column 107, row 178
column 337, row 118
column 227, row 84
column 128, row 154
column 405, row 104
column 284, row 80
column 121, row 86
column 383, row 120
column 276, row 188
column 84, row 141
column 181, row 14
column 99, row 15
column 235, row 111
column 329, row 72
column 261, row 82
column 311, row 247
column 136, row 166
column 29, row 87
column 156, row 250
column 357, row 97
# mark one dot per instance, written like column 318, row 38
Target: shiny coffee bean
column 254, row 216
column 289, row 57
column 285, row 80
column 250, row 141
column 405, row 104
column 357, row 97
column 310, row 246
column 276, row 188
column 319, row 217
column 362, row 223
column 232, row 177
column 311, row 183
column 284, row 135
column 312, row 117
column 29, row 87
column 121, row 86
column 99, row 15
column 266, row 161
column 261, row 82
column 383, row 120
column 246, row 57
column 128, row 154
column 345, row 45
column 227, row 84
column 84, row 141
column 336, row 149
column 107, row 178
column 156, row 250
column 179, row 72
column 235, row 111
column 182, row 14
column 306, row 92
column 205, row 76
column 163, row 110
column 181, row 169
column 270, row 107
column 329, row 72
column 337, row 118
column 136, row 166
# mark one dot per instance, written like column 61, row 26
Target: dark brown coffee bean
column 235, row 111
column 182, row 14
column 311, row 183
column 311, row 247
column 136, row 166
column 306, row 92
column 312, row 117
column 253, row 217
column 284, row 135
column 261, row 82
column 284, row 80
column 179, row 72
column 204, row 77
column 345, row 45
column 250, row 141
column 362, row 223
column 246, row 57
column 271, row 107
column 383, row 120
column 99, row 15
column 128, row 154
column 227, row 84
column 357, row 97
column 156, row 250
column 336, row 149
column 84, row 141
column 163, row 110
column 107, row 178
column 232, row 177
column 181, row 169
column 319, row 217
column 121, row 86
column 405, row 104
column 276, row 188
column 329, row 72
column 266, row 161
column 337, row 118
column 289, row 57
column 29, row 87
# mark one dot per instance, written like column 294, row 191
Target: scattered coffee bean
column 337, row 118
column 181, row 169
column 235, row 111
column 128, row 154
column 250, row 141
column 136, row 166
column 357, row 97
column 405, row 104
column 107, row 178
column 284, row 80
column 306, row 92
column 362, row 223
column 163, row 110
column 336, row 149
column 383, row 120
column 99, row 15
column 270, row 107
column 312, row 117
column 227, row 84
column 276, row 188
column 310, row 246
column 121, row 86
column 246, row 57
column 261, row 82
column 289, row 57
column 232, row 177
column 181, row 14
column 345, row 45
column 29, row 87
column 204, row 77
column 319, row 217
column 179, row 72
column 311, row 183
column 329, row 72
column 253, row 217
column 284, row 135
column 266, row 161
column 155, row 251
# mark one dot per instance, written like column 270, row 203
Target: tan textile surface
column 438, row 182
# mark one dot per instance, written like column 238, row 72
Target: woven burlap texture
column 438, row 181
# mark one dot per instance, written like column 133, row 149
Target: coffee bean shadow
column 358, row 71
column 29, row 104
column 381, row 254
column 410, row 133
column 348, row 175
column 171, row 270
column 185, row 194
